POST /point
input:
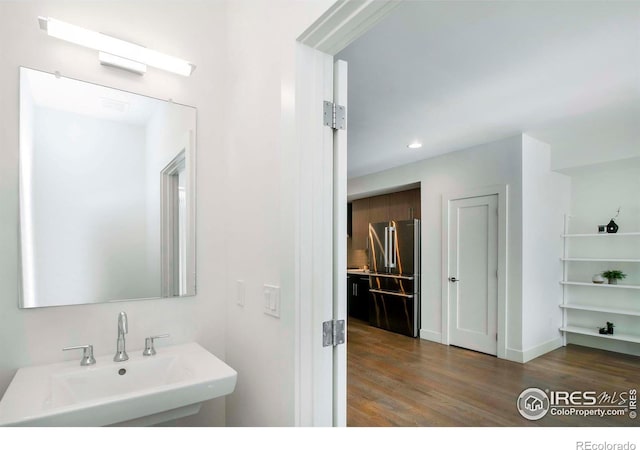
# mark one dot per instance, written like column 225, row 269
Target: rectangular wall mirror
column 107, row 194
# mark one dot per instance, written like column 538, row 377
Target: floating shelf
column 600, row 234
column 624, row 312
column 612, row 286
column 614, row 260
column 594, row 332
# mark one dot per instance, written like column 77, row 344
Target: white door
column 321, row 372
column 321, row 379
column 473, row 273
column 340, row 246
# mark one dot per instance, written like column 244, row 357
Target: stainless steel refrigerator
column 394, row 278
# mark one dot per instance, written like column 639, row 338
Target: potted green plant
column 614, row 275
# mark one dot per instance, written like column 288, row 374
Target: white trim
column 502, row 192
column 514, row 355
column 314, row 238
column 340, row 79
column 541, row 349
column 344, row 22
column 429, row 335
column 169, row 224
column 168, row 186
column 525, row 356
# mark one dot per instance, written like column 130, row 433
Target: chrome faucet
column 87, row 354
column 121, row 352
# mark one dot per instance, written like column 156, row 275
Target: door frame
column 341, row 24
column 502, row 191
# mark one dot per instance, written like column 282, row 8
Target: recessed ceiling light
column 415, row 144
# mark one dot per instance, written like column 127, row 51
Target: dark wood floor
column 395, row 380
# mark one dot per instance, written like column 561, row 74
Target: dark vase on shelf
column 612, row 227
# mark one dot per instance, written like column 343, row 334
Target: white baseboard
column 541, row 349
column 533, row 352
column 429, row 335
column 514, row 355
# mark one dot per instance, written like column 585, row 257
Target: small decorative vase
column 612, row 227
column 598, row 279
column 610, row 327
column 613, row 281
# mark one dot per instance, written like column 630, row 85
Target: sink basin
column 144, row 390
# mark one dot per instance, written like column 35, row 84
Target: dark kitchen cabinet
column 401, row 205
column 404, row 205
column 415, row 204
column 359, row 224
column 358, row 296
column 379, row 208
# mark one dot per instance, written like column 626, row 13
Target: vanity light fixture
column 116, row 52
column 107, row 59
column 414, row 145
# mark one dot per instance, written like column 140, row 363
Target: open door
column 322, row 362
column 321, row 290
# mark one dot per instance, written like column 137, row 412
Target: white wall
column 496, row 163
column 262, row 193
column 597, row 192
column 545, row 201
column 194, row 30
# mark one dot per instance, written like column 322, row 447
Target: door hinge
column 335, row 116
column 333, row 333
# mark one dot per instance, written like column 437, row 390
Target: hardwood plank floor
column 394, row 380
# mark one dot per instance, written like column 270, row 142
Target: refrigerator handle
column 386, row 246
column 392, row 247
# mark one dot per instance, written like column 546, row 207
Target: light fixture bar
column 107, row 59
column 116, row 47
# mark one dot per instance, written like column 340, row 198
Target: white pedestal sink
column 144, row 390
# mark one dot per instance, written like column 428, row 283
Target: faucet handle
column 87, row 354
column 149, row 350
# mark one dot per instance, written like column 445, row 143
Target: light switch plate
column 240, row 292
column 272, row 300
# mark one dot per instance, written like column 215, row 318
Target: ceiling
column 458, row 74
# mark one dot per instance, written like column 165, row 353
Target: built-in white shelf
column 600, row 309
column 604, row 285
column 604, row 309
column 614, row 260
column 635, row 233
column 594, row 332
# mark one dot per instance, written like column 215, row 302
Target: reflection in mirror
column 107, row 194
